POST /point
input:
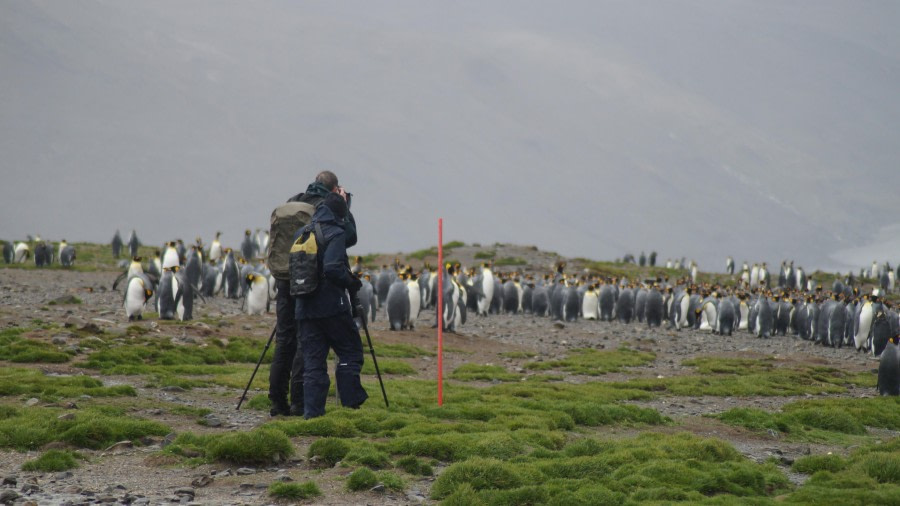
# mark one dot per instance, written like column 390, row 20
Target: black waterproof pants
column 287, row 362
column 340, row 334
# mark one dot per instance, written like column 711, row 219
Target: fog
column 765, row 130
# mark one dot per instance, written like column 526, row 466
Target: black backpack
column 304, row 260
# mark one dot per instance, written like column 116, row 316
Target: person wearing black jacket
column 324, row 318
column 287, row 362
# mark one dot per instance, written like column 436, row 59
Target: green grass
column 595, row 362
column 485, row 255
column 53, row 461
column 479, row 372
column 748, row 377
column 393, row 367
column 518, row 354
column 870, row 475
column 508, row 261
column 294, row 491
column 259, row 446
column 650, row 467
column 414, row 466
column 329, row 450
column 32, row 382
column 361, row 479
column 821, row 420
column 401, row 350
column 93, row 428
column 18, row 349
column 90, row 257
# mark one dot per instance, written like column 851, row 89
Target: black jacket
column 330, row 298
column 315, row 193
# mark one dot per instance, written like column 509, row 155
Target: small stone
column 185, row 491
column 244, row 471
column 30, row 488
column 156, row 412
column 106, row 499
column 190, row 453
column 377, row 488
column 85, row 397
column 9, row 496
column 212, row 420
column 32, row 402
column 173, row 388
column 63, row 475
column 70, row 405
column 283, row 478
column 772, row 432
column 66, row 416
column 10, row 480
column 58, row 340
column 559, row 325
column 201, row 481
column 787, row 461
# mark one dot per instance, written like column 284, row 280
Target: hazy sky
column 761, row 129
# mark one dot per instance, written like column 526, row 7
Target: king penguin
column 9, row 252
column 486, row 290
column 215, row 249
column 117, row 245
column 398, row 304
column 182, row 295
column 231, row 281
column 165, row 297
column 863, row 325
column 889, row 369
column 653, row 307
column 137, row 293
column 66, row 254
column 415, row 300
column 133, row 243
column 257, row 297
column 540, row 301
column 590, row 305
column 170, row 256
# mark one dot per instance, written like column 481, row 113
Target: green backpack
column 286, row 220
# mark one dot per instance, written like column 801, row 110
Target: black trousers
column 287, row 362
column 340, row 334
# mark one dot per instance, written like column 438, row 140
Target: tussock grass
column 650, row 467
column 401, row 350
column 479, row 372
column 32, row 382
column 366, row 454
column 256, row 447
column 94, row 428
column 595, row 362
column 870, row 475
column 294, row 491
column 18, row 349
column 394, row 367
column 329, row 450
column 830, row 420
column 53, row 461
column 362, row 479
column 746, row 377
column 414, row 466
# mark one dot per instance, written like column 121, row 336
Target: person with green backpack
column 286, row 372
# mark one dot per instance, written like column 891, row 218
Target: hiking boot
column 296, row 410
column 280, row 410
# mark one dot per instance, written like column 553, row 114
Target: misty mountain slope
column 700, row 129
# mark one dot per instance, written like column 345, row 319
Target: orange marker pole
column 440, row 313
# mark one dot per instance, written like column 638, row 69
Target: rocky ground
column 137, row 474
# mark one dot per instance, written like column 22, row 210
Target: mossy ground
column 504, row 435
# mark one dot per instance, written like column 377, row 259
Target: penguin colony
column 758, row 303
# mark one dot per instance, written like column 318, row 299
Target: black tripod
column 357, row 307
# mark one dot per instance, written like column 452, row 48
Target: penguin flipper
column 199, row 294
column 179, row 294
column 119, row 279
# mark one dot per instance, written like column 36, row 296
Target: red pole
column 440, row 312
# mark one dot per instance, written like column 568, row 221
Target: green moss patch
column 256, row 447
column 16, row 348
column 870, row 475
column 32, row 382
column 650, row 467
column 479, row 372
column 829, row 420
column 595, row 362
column 294, row 491
column 93, row 428
column 53, row 461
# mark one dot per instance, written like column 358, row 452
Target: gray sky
column 760, row 129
